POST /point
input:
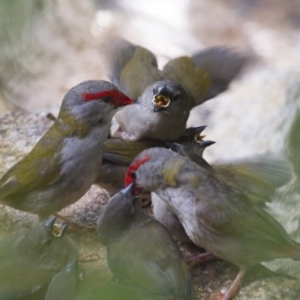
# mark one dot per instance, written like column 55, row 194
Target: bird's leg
column 200, row 258
column 235, row 286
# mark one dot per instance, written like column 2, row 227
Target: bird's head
column 167, row 94
column 91, row 101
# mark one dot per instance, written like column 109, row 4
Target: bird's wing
column 231, row 213
column 258, row 177
column 131, row 68
column 38, row 168
column 207, row 73
column 275, row 171
column 161, row 270
column 123, row 152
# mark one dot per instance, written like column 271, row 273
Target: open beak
column 160, row 102
column 60, row 229
column 198, row 137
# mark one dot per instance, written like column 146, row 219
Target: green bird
column 216, row 216
column 258, row 177
column 140, row 252
column 165, row 97
column 29, row 261
column 63, row 165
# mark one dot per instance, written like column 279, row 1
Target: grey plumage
column 140, row 252
column 215, row 215
column 64, row 163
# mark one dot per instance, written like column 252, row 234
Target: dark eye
column 176, row 97
column 133, row 175
column 184, row 139
column 154, row 91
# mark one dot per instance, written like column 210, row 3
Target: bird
column 258, row 177
column 165, row 97
column 140, row 252
column 215, row 215
column 118, row 154
column 161, row 113
column 64, row 285
column 63, row 165
column 161, row 210
column 30, row 260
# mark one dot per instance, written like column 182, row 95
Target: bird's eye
column 176, row 97
column 154, row 91
column 184, row 139
column 133, row 175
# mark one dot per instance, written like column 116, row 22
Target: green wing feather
column 38, row 168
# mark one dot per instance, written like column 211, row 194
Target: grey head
column 91, row 101
column 165, row 95
column 118, row 215
column 194, row 139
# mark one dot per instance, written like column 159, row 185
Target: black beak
column 205, row 144
column 129, row 190
column 157, row 108
column 49, row 223
column 64, row 227
column 199, row 129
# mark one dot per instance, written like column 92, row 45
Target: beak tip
column 127, row 191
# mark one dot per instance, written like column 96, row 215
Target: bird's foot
column 200, row 258
column 235, row 286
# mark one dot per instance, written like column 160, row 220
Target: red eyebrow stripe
column 103, row 94
column 133, row 167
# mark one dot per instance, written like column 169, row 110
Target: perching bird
column 165, row 97
column 64, row 163
column 215, row 216
column 140, row 252
column 30, row 260
column 258, row 177
column 161, row 210
column 118, row 155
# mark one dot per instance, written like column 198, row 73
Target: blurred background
column 46, row 47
